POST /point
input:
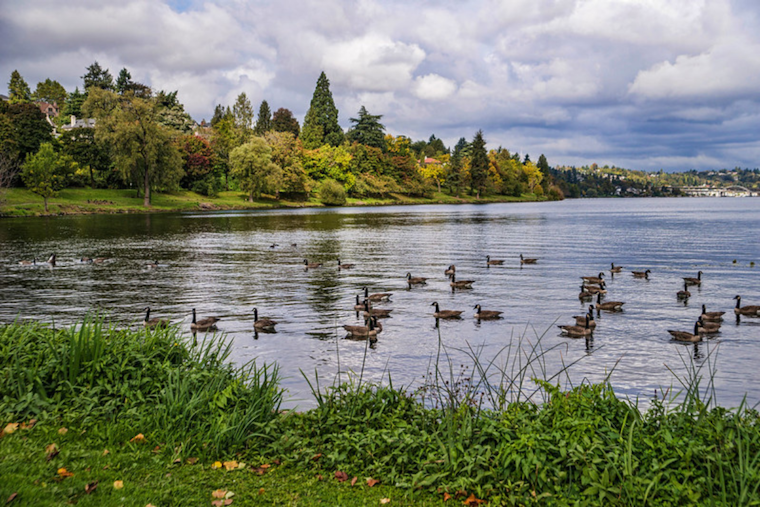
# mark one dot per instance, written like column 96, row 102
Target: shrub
column 332, row 193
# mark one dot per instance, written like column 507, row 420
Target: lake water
column 223, row 265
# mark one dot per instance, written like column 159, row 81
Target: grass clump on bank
column 542, row 445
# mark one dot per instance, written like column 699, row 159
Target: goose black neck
column 194, row 316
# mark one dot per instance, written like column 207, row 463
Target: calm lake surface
column 222, row 264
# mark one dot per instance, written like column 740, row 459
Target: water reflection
column 226, row 263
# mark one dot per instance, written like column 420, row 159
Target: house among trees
column 4, row 98
column 85, row 123
column 48, row 109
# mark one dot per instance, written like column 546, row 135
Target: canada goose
column 359, row 305
column 595, row 289
column 151, row 323
column 262, row 323
column 85, row 260
column 460, row 284
column 203, row 324
column 380, row 313
column 486, row 314
column 51, row 260
column 450, row 270
column 577, row 331
column 379, row 296
column 273, row 245
column 524, row 260
column 594, row 279
column 32, row 262
column 694, row 281
column 344, row 266
column 752, row 311
column 445, row 314
column 683, row 336
column 412, row 280
column 608, row 306
column 494, row 262
column 615, row 269
column 708, row 327
column 152, row 265
column 711, row 316
column 99, row 260
column 371, row 330
column 684, row 294
column 641, row 274
column 585, row 294
column 580, row 320
column 310, row 265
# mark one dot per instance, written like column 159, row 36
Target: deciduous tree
column 142, row 148
column 46, row 172
column 51, row 92
column 287, row 153
column 252, row 165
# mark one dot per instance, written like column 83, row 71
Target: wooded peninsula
column 118, row 142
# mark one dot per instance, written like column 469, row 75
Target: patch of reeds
column 125, row 382
column 504, row 430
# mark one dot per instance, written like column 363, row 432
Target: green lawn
column 22, row 202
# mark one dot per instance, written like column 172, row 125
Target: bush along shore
column 19, row 202
column 97, row 415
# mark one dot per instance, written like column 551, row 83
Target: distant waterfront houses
column 709, row 191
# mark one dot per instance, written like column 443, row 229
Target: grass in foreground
column 167, row 412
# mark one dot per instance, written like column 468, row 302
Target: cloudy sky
column 642, row 84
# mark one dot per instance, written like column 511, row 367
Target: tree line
column 143, row 139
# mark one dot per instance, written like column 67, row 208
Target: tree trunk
column 146, row 191
column 439, row 185
column 250, row 197
column 477, row 196
column 45, row 199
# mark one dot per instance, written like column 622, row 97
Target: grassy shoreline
column 175, row 422
column 19, row 202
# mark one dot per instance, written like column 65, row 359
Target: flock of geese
column 707, row 323
column 591, row 287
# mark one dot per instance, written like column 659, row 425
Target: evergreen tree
column 124, row 81
column 18, row 89
column 73, row 105
column 454, row 174
column 264, row 121
column 97, row 77
column 218, row 115
column 320, row 126
column 367, row 130
column 478, row 163
column 543, row 166
column 284, row 121
column 243, row 111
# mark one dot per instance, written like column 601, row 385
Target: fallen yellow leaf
column 118, row 484
column 230, row 465
column 385, row 500
column 106, row 452
column 51, row 448
column 192, row 461
column 229, row 494
column 219, row 493
column 10, row 428
column 217, row 464
column 65, row 473
column 371, row 482
column 139, row 438
column 63, row 431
